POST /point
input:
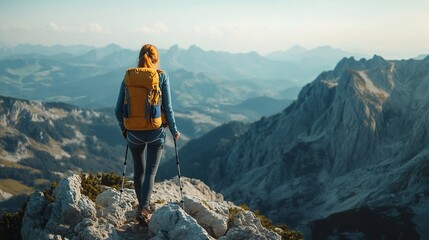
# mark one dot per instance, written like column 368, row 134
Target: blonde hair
column 148, row 57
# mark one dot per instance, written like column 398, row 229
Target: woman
column 145, row 167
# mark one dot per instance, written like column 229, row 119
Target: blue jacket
column 166, row 104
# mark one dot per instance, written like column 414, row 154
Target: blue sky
column 394, row 29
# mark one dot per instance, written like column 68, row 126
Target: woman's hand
column 177, row 136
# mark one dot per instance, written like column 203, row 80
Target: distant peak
column 297, row 48
column 325, row 47
column 174, row 47
column 112, row 46
column 346, row 60
column 377, row 60
column 378, row 57
column 351, row 62
column 344, row 63
column 195, row 48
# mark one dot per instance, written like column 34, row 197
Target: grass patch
column 39, row 181
column 15, row 187
column 6, row 163
column 52, row 147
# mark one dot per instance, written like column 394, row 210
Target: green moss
column 91, row 183
column 160, row 201
column 231, row 214
column 283, row 230
column 49, row 193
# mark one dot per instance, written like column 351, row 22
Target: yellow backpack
column 142, row 102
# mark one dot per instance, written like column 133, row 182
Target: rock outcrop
column 203, row 215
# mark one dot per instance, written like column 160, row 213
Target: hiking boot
column 143, row 216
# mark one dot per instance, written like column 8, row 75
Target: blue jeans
column 145, row 167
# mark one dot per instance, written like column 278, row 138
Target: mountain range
column 208, row 87
column 70, row 73
column 90, row 78
column 347, row 159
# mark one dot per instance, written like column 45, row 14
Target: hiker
column 144, row 91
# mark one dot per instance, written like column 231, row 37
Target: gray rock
column 113, row 208
column 89, row 229
column 168, row 191
column 70, row 207
column 171, row 222
column 212, row 216
column 74, row 216
column 32, row 223
column 57, row 220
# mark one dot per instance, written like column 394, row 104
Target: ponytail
column 148, row 57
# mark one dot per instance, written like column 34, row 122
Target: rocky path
column 133, row 231
column 74, row 216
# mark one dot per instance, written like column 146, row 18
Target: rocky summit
column 203, row 215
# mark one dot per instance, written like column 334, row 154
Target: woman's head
column 148, row 57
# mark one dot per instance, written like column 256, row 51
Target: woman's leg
column 154, row 153
column 139, row 166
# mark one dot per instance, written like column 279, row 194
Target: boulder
column 89, row 229
column 70, row 212
column 212, row 216
column 171, row 222
column 113, row 207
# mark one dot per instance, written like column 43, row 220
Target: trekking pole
column 123, row 174
column 178, row 174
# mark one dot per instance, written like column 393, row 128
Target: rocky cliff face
column 205, row 215
column 356, row 137
column 62, row 131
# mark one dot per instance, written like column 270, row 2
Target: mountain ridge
column 36, row 76
column 340, row 146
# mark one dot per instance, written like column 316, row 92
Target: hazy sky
column 393, row 29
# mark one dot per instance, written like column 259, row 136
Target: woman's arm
column 119, row 107
column 167, row 105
